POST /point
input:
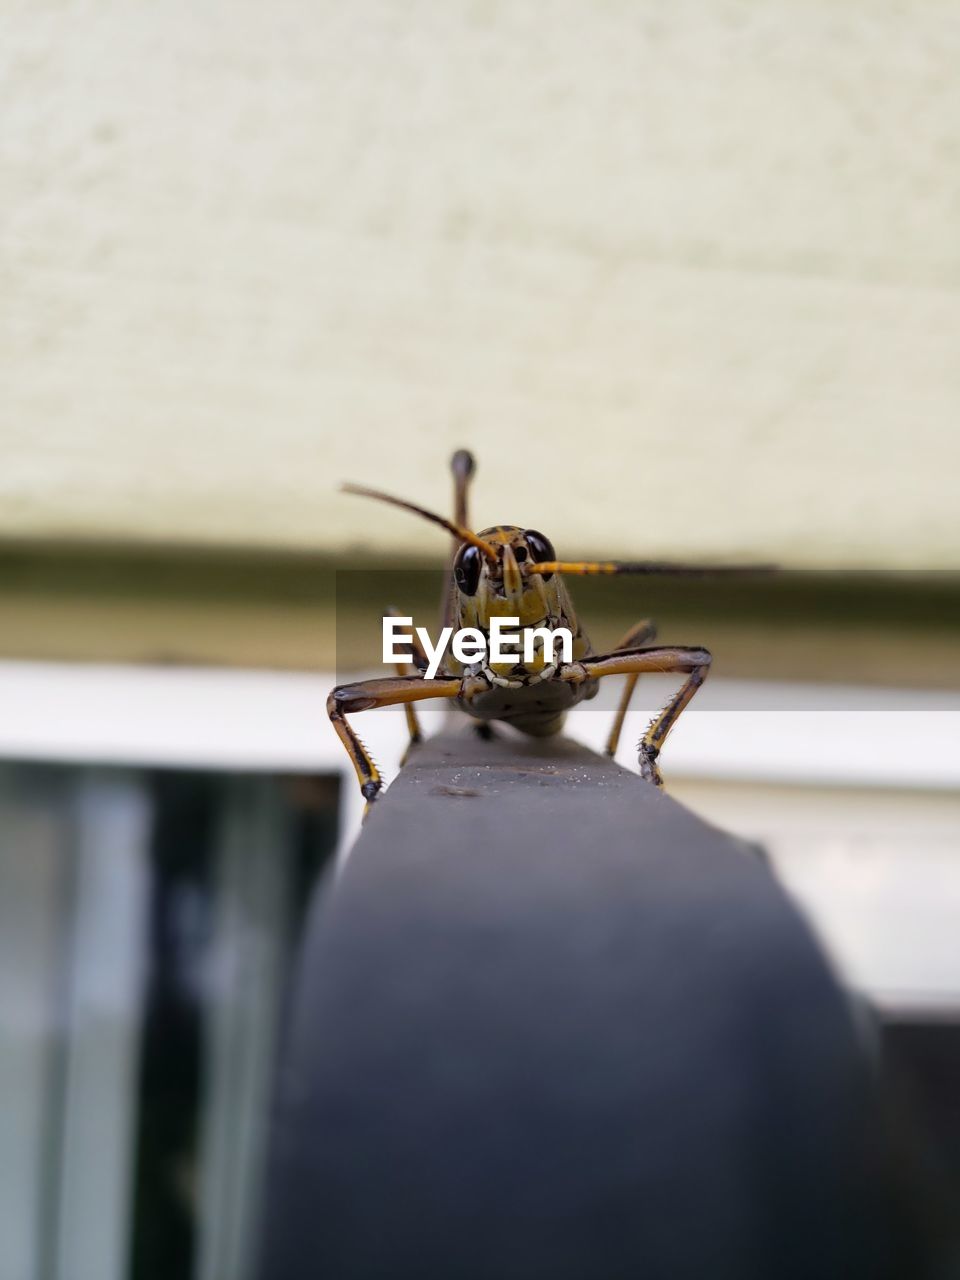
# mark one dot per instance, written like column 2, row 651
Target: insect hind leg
column 463, row 466
column 638, row 634
column 403, row 669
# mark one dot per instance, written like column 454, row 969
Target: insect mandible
column 511, row 571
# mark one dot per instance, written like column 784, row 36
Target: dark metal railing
column 551, row 1024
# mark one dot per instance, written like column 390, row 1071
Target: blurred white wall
column 686, row 276
column 865, row 838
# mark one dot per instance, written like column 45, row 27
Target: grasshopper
column 510, row 571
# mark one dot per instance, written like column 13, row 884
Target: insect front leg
column 365, row 695
column 638, row 634
column 695, row 663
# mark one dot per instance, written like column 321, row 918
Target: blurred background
column 685, row 278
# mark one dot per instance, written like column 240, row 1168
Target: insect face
column 505, row 586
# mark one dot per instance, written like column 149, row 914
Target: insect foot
column 648, row 764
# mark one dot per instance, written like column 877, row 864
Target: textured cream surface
column 686, row 276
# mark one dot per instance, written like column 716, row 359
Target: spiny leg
column 652, row 741
column 695, row 663
column 365, row 695
column 403, row 669
column 638, row 634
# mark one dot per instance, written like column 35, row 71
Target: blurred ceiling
column 686, row 277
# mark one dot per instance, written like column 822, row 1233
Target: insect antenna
column 458, row 530
column 588, row 567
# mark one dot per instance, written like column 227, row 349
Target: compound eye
column 466, row 569
column 541, row 548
